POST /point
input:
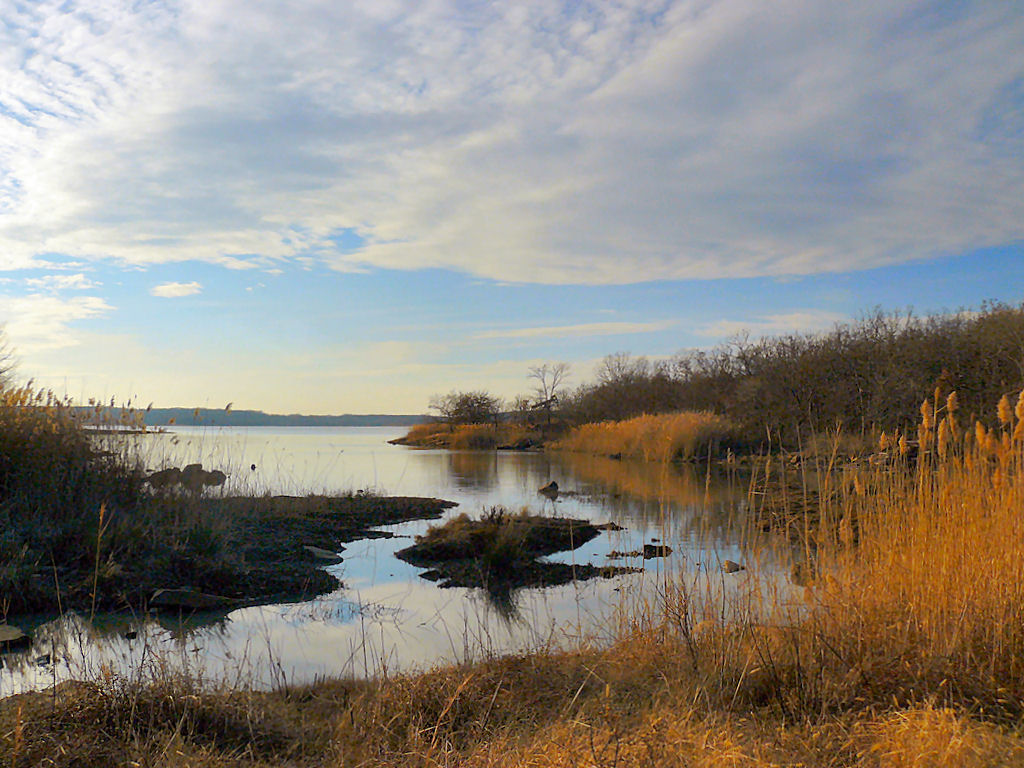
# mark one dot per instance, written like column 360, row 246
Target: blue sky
column 347, row 207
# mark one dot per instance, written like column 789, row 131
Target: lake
column 386, row 618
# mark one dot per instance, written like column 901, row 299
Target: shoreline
column 253, row 551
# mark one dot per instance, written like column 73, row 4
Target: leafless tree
column 549, row 377
column 8, row 362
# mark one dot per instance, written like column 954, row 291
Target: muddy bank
column 231, row 551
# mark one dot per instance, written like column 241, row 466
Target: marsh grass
column 472, row 436
column 664, row 437
column 78, row 528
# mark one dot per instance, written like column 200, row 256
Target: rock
column 730, row 566
column 215, row 478
column 656, row 550
column 188, row 598
column 12, row 638
column 164, row 478
column 192, row 478
column 320, row 553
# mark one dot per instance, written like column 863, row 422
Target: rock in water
column 188, row 598
column 164, row 478
column 192, row 478
column 12, row 638
column 656, row 550
column 329, row 557
column 550, row 490
column 214, row 478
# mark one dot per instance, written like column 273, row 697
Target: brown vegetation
column 862, row 375
column 666, row 437
column 471, row 437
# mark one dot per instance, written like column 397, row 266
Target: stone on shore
column 188, row 598
column 328, row 556
column 12, row 638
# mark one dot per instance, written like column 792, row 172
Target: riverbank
column 211, row 552
column 458, row 437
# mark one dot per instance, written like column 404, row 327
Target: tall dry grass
column 664, row 437
column 920, row 587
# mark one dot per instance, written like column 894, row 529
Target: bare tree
column 8, row 362
column 549, row 377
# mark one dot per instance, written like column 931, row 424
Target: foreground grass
column 665, row 437
column 907, row 649
column 649, row 702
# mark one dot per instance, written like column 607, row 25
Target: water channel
column 386, row 618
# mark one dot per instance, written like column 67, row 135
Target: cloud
column 793, row 322
column 176, row 290
column 77, row 282
column 583, row 329
column 592, row 142
column 46, row 322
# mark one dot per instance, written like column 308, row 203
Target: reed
column 664, row 437
column 921, row 574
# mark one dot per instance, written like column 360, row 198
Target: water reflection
column 387, row 618
column 472, row 470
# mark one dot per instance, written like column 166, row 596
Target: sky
column 330, row 206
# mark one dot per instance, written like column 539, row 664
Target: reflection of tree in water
column 682, row 501
column 473, row 470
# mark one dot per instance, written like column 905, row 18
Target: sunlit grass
column 471, row 436
column 664, row 437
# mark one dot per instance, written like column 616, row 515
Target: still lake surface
column 386, row 618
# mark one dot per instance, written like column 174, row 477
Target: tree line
column 870, row 373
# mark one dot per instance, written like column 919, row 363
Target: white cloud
column 583, row 329
column 808, row 321
column 45, row 322
column 76, row 282
column 594, row 142
column 176, row 290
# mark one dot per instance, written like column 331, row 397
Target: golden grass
column 665, row 437
column 470, row 436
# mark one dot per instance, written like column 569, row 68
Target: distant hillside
column 205, row 417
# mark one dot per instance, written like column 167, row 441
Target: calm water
column 386, row 618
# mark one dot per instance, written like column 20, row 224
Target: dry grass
column 907, row 650
column 471, row 436
column 665, row 437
